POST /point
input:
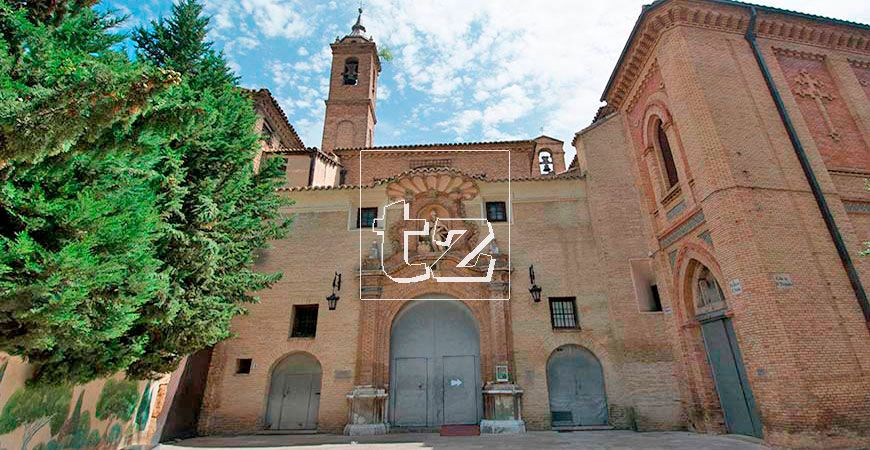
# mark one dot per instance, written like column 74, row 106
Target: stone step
column 460, row 430
column 584, row 428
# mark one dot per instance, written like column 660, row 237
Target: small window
column 342, row 177
column 496, row 211
column 656, row 299
column 365, row 217
column 645, row 288
column 563, row 313
column 243, row 365
column 304, row 321
column 350, row 76
column 667, row 156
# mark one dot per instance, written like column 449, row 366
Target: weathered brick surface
column 742, row 208
column 806, row 348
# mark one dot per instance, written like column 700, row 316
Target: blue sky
column 464, row 70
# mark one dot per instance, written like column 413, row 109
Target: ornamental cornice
column 809, row 56
column 627, row 77
column 653, row 68
column 859, row 63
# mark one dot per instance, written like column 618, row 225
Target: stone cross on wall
column 812, row 87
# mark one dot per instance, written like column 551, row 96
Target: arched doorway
column 723, row 353
column 434, row 365
column 575, row 383
column 294, row 394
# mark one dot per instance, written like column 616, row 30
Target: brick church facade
column 697, row 265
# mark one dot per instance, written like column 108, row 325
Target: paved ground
column 539, row 440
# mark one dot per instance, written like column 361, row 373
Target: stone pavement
column 539, row 440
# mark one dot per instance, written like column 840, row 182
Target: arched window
column 351, row 72
column 545, row 161
column 667, row 156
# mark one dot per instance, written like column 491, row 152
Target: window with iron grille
column 496, row 211
column 304, row 321
column 563, row 313
column 365, row 217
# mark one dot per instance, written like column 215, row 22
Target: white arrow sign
column 455, row 382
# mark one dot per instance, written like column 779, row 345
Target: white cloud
column 473, row 69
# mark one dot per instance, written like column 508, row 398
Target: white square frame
column 509, row 222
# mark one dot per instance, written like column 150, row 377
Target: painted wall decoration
column 101, row 415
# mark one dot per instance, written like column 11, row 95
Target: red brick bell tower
column 350, row 109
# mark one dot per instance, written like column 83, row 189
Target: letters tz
column 425, row 242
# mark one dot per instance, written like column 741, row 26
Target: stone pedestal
column 366, row 412
column 502, row 409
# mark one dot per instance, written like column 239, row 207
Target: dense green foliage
column 61, row 83
column 222, row 212
column 129, row 243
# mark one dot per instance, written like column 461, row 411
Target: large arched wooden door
column 435, row 365
column 575, row 383
column 294, row 394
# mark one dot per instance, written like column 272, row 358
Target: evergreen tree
column 135, row 246
column 62, row 85
column 222, row 211
column 78, row 264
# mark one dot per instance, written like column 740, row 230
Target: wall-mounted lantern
column 333, row 299
column 535, row 290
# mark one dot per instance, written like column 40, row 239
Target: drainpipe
column 808, row 171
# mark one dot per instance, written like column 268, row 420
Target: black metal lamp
column 332, row 299
column 535, row 290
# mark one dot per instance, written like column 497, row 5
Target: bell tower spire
column 350, row 108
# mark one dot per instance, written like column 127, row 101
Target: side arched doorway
column 294, row 394
column 435, row 365
column 723, row 353
column 575, row 382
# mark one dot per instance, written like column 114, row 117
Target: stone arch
column 656, row 109
column 300, row 374
column 576, row 387
column 705, row 411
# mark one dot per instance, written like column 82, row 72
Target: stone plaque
column 783, row 281
column 343, row 374
column 736, row 286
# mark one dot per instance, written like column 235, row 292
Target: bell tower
column 350, row 108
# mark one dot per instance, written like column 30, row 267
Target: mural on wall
column 44, row 417
column 34, row 408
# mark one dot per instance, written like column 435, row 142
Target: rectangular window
column 304, row 321
column 563, row 313
column 496, row 211
column 365, row 217
column 656, row 299
column 243, row 365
